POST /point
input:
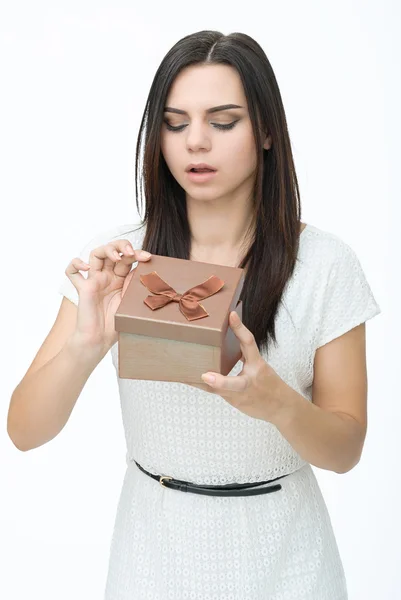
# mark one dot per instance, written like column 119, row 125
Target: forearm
column 42, row 403
column 325, row 439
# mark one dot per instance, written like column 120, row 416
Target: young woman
column 220, row 187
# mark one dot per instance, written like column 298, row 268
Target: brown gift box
column 162, row 343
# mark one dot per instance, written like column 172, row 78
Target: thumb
column 127, row 281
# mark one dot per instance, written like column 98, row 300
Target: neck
column 220, row 230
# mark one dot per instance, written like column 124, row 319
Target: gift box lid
column 172, row 278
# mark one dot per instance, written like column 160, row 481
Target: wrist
column 285, row 396
column 84, row 350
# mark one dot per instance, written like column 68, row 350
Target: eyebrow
column 208, row 111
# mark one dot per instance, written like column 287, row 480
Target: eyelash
column 217, row 125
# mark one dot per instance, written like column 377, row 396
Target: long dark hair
column 272, row 253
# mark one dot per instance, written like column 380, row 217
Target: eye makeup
column 221, row 126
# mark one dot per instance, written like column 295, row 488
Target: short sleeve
column 348, row 299
column 129, row 231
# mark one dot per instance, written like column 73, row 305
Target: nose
column 198, row 137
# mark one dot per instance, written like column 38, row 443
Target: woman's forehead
column 205, row 87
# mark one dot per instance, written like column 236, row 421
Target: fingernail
column 209, row 378
column 129, row 250
column 145, row 254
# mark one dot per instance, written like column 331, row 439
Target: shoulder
column 341, row 296
column 335, row 272
column 134, row 232
column 326, row 249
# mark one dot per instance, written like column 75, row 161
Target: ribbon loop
column 188, row 301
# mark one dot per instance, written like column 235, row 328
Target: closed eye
column 217, row 125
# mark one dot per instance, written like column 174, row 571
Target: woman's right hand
column 101, row 292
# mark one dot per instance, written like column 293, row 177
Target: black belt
column 230, row 489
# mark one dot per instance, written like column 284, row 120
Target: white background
column 74, row 80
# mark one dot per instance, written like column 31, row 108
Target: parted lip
column 199, row 166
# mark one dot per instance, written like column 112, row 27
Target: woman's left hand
column 255, row 391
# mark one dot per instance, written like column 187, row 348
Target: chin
column 203, row 195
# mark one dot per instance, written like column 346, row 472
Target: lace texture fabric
column 279, row 546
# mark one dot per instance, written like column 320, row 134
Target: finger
column 223, row 383
column 108, row 257
column 127, row 281
column 140, row 255
column 249, row 347
column 73, row 270
column 76, row 265
column 101, row 258
column 129, row 256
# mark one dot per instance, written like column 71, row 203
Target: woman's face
column 200, row 138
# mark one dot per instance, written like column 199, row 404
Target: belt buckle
column 164, row 477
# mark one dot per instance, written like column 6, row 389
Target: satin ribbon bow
column 188, row 301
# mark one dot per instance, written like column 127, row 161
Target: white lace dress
column 173, row 545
